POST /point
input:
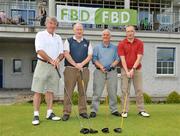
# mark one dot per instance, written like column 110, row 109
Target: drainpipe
column 51, row 7
column 127, row 4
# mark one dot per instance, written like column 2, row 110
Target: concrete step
column 7, row 100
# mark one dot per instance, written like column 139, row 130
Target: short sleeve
column 66, row 45
column 121, row 49
column 61, row 48
column 38, row 42
column 141, row 48
column 90, row 49
column 116, row 57
column 95, row 54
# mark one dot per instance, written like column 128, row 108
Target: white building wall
column 153, row 85
column 159, row 85
column 13, row 50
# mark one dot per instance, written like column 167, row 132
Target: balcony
column 26, row 15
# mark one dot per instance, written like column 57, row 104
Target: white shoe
column 35, row 120
column 124, row 114
column 53, row 117
column 144, row 114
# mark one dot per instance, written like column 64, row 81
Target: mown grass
column 15, row 120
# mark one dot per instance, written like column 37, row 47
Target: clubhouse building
column 157, row 24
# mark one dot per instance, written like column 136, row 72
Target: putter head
column 105, row 130
column 84, row 131
column 118, row 130
column 92, row 131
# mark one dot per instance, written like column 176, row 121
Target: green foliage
column 173, row 97
column 118, row 99
column 43, row 98
column 147, row 98
column 75, row 98
column 104, row 101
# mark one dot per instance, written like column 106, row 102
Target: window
column 34, row 62
column 165, row 61
column 17, row 65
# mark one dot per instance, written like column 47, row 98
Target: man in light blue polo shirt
column 105, row 59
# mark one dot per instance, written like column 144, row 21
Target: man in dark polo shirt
column 78, row 53
column 131, row 52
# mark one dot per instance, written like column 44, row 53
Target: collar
column 74, row 37
column 130, row 42
column 49, row 33
column 106, row 46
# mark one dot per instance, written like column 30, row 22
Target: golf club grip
column 58, row 72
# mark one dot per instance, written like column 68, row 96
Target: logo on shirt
column 85, row 45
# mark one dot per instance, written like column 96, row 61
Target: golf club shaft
column 85, row 100
column 106, row 100
column 125, row 103
column 81, row 125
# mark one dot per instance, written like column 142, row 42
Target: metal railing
column 27, row 14
column 17, row 13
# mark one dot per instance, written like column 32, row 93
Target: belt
column 74, row 67
column 108, row 71
column 43, row 60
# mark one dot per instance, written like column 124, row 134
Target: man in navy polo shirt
column 105, row 59
column 78, row 53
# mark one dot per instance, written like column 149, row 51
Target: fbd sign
column 114, row 17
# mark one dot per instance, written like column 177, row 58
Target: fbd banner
column 114, row 17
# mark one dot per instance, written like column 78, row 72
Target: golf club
column 92, row 131
column 119, row 130
column 83, row 130
column 106, row 129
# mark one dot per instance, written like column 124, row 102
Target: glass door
column 144, row 18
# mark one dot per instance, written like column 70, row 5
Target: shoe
column 84, row 115
column 53, row 117
column 144, row 114
column 65, row 117
column 36, row 120
column 124, row 114
column 116, row 113
column 92, row 115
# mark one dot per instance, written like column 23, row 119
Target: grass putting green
column 15, row 120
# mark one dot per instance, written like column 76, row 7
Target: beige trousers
column 138, row 87
column 72, row 77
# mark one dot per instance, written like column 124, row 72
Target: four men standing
column 78, row 53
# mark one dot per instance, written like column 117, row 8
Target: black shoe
column 116, row 113
column 36, row 120
column 84, row 115
column 65, row 117
column 92, row 115
column 53, row 117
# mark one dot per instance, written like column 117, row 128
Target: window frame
column 13, row 65
column 175, row 62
